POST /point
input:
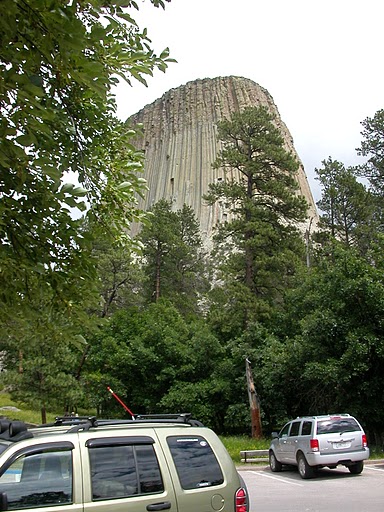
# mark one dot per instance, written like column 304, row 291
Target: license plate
column 338, row 446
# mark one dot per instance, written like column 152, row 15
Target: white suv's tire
column 274, row 464
column 356, row 468
column 305, row 470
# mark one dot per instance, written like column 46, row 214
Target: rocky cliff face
column 180, row 143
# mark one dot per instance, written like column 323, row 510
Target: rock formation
column 180, row 143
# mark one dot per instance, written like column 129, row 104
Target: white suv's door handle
column 165, row 505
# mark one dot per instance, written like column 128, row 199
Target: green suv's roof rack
column 17, row 430
column 14, row 430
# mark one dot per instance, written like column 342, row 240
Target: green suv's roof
column 13, row 431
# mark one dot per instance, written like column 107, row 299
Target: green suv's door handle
column 165, row 505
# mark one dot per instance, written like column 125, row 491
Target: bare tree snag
column 254, row 403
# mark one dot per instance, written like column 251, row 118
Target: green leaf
column 26, row 140
column 138, row 77
column 79, row 192
column 125, row 16
column 164, row 54
column 134, row 165
column 35, row 90
column 126, row 185
column 67, row 188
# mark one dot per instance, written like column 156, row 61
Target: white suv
column 314, row 442
column 149, row 463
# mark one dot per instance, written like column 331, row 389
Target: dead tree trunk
column 254, row 403
column 43, row 414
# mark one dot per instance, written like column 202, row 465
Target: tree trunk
column 82, row 361
column 21, row 357
column 249, row 235
column 157, row 278
column 308, row 247
column 254, row 403
column 43, row 414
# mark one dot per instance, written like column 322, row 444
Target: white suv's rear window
column 337, row 425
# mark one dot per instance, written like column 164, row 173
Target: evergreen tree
column 347, row 207
column 372, row 147
column 259, row 245
column 119, row 276
column 173, row 256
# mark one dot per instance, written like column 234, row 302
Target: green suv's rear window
column 195, row 462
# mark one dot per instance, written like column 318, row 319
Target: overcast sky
column 322, row 62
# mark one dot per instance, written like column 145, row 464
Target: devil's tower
column 180, row 143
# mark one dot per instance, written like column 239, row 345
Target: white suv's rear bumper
column 318, row 459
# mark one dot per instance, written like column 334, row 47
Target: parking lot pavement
column 332, row 489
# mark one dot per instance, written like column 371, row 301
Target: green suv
column 154, row 463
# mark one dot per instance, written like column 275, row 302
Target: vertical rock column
column 180, row 143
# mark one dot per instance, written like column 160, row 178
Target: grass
column 27, row 414
column 235, row 444
column 376, row 452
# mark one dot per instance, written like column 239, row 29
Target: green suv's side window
column 195, row 462
column 121, row 471
column 38, row 480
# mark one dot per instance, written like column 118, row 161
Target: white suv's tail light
column 241, row 500
column 314, row 445
column 364, row 440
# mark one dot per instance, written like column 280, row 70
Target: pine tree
column 174, row 262
column 259, row 244
column 347, row 207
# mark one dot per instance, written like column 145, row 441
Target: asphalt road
column 332, row 490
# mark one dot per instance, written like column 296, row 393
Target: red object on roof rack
column 121, row 402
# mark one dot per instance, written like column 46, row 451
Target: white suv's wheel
column 356, row 468
column 274, row 464
column 305, row 470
